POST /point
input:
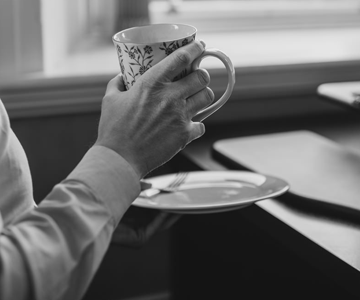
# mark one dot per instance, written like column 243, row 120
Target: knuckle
column 199, row 47
column 182, row 57
column 204, row 77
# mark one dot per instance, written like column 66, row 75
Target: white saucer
column 213, row 191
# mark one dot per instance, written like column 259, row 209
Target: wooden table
column 275, row 248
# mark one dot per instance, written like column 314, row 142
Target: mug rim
column 116, row 40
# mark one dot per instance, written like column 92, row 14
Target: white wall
column 55, row 27
column 71, row 24
column 20, row 38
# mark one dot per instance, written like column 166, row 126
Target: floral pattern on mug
column 170, row 47
column 122, row 67
column 141, row 58
column 135, row 60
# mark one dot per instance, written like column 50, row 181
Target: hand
column 139, row 225
column 151, row 122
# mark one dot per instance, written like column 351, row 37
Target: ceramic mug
column 140, row 48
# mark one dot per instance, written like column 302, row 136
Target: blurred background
column 63, row 37
column 56, row 57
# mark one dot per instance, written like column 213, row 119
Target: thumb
column 197, row 130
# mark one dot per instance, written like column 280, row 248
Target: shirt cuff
column 110, row 178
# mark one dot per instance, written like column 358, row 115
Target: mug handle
column 203, row 114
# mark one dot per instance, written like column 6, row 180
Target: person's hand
column 139, row 225
column 151, row 122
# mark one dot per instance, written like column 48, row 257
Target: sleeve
column 54, row 250
column 16, row 194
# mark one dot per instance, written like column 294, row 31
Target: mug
column 140, row 48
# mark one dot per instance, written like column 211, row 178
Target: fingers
column 177, row 61
column 197, row 129
column 199, row 101
column 194, row 88
column 116, row 84
column 192, row 83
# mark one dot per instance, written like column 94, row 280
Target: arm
column 59, row 246
column 15, row 179
column 53, row 251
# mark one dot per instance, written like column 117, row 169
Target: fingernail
column 203, row 43
column 202, row 129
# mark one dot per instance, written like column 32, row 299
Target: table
column 274, row 247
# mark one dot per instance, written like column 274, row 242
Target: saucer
column 212, row 191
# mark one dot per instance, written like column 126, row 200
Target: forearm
column 52, row 252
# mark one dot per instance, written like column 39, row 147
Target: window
column 253, row 33
column 280, row 48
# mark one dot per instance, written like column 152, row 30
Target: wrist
column 140, row 173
